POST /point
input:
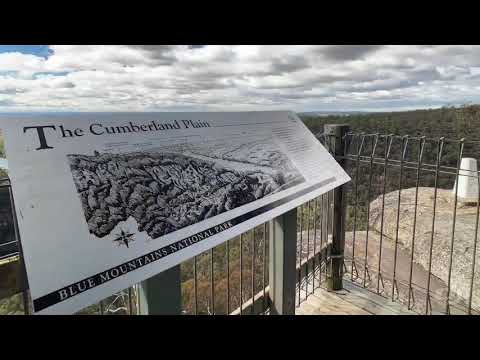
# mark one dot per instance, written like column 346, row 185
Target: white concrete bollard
column 467, row 181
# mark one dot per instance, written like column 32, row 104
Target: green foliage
column 369, row 182
column 3, row 173
column 252, row 243
column 2, row 146
column 12, row 305
column 452, row 122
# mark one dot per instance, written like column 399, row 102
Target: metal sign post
column 161, row 294
column 283, row 247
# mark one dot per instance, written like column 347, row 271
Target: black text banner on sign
column 104, row 201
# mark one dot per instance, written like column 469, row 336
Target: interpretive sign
column 104, row 201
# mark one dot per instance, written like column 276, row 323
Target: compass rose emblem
column 124, row 238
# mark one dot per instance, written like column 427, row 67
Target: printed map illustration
column 170, row 187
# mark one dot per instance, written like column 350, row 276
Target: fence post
column 282, row 266
column 161, row 294
column 335, row 139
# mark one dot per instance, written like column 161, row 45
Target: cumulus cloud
column 347, row 52
column 240, row 77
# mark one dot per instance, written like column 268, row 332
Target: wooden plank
column 306, row 309
column 331, row 304
column 372, row 302
column 300, row 311
column 352, row 300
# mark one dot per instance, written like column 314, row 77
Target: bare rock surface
column 366, row 251
column 461, row 256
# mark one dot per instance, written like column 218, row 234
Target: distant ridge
column 329, row 113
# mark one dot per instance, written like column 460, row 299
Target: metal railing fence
column 404, row 234
column 231, row 278
column 409, row 235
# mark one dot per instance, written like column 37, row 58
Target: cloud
column 347, row 52
column 289, row 63
column 239, row 77
column 161, row 54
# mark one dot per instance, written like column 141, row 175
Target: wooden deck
column 352, row 300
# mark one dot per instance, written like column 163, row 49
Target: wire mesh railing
column 236, row 281
column 314, row 227
column 225, row 279
column 409, row 236
column 231, row 278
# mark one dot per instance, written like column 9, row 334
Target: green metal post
column 282, row 272
column 336, row 135
column 161, row 294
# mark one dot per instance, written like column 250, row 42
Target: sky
column 300, row 78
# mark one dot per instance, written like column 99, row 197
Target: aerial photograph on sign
column 167, row 188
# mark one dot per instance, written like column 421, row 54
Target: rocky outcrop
column 463, row 241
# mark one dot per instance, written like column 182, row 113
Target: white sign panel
column 105, row 201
